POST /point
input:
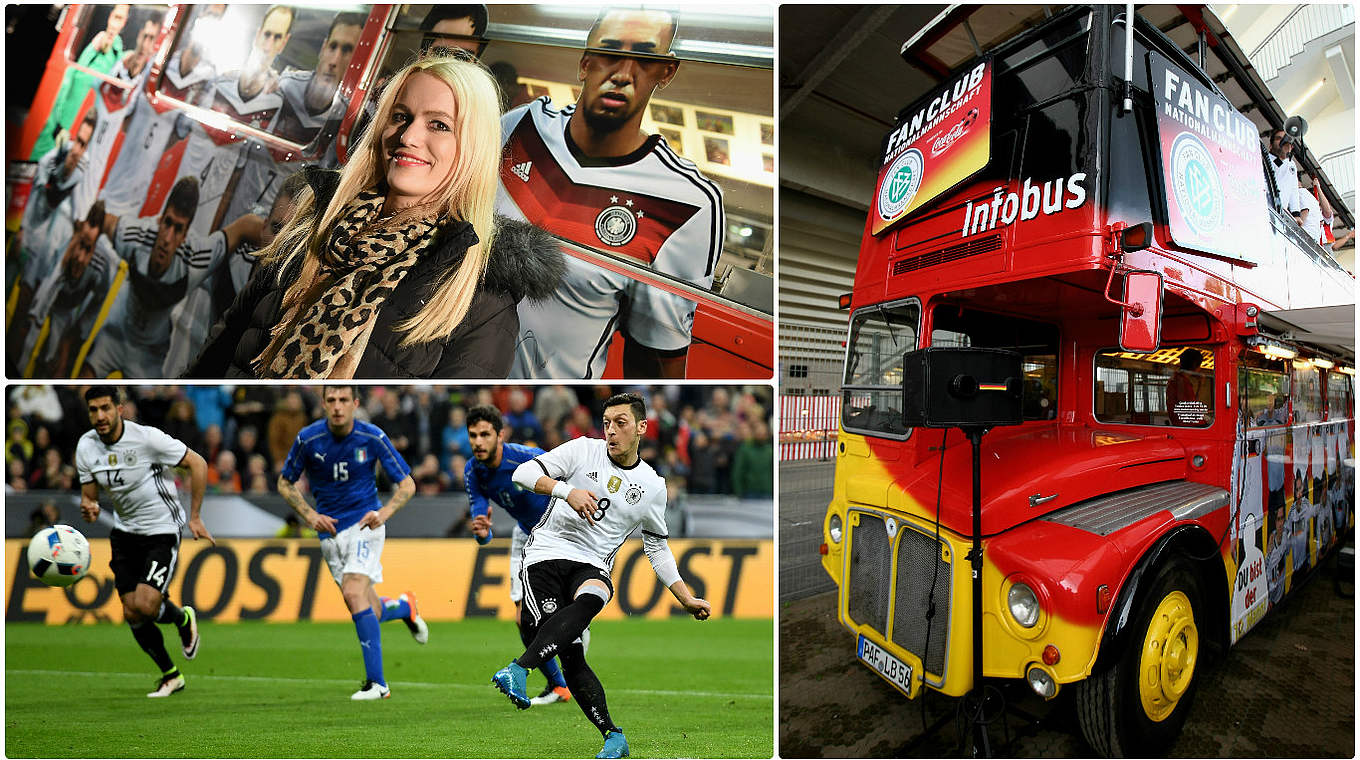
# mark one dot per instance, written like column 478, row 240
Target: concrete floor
column 1285, row 690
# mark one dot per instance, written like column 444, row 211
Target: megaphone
column 1296, row 127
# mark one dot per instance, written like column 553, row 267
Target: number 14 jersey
column 135, row 473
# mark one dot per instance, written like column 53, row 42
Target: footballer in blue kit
column 488, row 479
column 340, row 456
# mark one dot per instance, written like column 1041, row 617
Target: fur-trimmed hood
column 525, row 261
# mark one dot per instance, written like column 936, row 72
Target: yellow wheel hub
column 1167, row 663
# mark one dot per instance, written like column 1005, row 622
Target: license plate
column 896, row 672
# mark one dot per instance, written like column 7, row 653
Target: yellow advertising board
column 287, row 580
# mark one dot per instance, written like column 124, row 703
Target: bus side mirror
column 1135, row 238
column 1140, row 326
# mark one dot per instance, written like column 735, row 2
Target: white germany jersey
column 135, row 338
column 193, row 317
column 149, row 130
column 315, row 131
column 629, row 497
column 263, row 169
column 652, row 206
column 47, row 228
column 112, row 106
column 134, row 472
column 70, row 303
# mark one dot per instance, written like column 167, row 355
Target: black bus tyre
column 1136, row 707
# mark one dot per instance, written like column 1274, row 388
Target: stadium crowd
column 702, row 439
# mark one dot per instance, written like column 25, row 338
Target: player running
column 488, row 479
column 569, row 555
column 131, row 463
column 340, row 455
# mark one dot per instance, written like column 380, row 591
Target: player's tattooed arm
column 198, row 483
column 405, row 490
column 314, row 519
column 89, row 501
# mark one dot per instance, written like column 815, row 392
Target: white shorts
column 356, row 550
column 517, row 539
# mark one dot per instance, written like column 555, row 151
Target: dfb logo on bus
column 1199, row 194
column 900, row 184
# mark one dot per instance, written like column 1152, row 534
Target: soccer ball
column 59, row 555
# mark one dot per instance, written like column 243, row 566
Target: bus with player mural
column 1186, row 451
column 202, row 112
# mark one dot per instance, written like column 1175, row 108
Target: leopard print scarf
column 326, row 322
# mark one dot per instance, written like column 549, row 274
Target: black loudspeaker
column 960, row 387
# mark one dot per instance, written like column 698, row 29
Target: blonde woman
column 395, row 267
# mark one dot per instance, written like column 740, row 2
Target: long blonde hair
column 469, row 195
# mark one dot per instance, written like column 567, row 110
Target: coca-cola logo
column 945, row 141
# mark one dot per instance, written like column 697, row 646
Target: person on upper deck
column 1286, row 173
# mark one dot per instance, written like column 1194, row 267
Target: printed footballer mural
column 166, row 143
column 1292, row 489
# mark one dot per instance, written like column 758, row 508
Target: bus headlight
column 834, row 529
column 1023, row 604
column 1042, row 683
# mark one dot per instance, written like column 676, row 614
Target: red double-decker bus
column 1186, row 454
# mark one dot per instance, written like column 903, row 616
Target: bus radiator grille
column 870, row 568
column 917, row 564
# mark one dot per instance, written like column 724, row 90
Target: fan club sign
column 943, row 142
column 287, row 580
column 1211, row 167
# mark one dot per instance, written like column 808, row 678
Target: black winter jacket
column 525, row 262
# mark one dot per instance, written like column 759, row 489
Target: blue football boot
column 614, row 745
column 510, row 681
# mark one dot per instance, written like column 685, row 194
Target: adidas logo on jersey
column 595, row 476
column 522, row 170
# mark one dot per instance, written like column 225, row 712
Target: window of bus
column 872, row 391
column 1037, row 343
column 1047, row 66
column 112, row 49
column 1307, row 392
column 1050, row 64
column 1265, row 391
column 696, row 210
column 1340, row 402
column 1172, row 386
column 274, row 69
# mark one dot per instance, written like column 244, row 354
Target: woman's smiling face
column 419, row 141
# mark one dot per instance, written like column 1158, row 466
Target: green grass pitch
column 678, row 688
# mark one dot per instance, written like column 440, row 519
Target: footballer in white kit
column 626, row 498
column 50, row 214
column 652, row 206
column 602, row 491
column 113, row 103
column 112, row 106
column 310, row 110
column 68, row 300
column 165, row 264
column 153, row 127
column 162, row 268
column 131, row 464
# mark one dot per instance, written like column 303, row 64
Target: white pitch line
column 342, row 681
